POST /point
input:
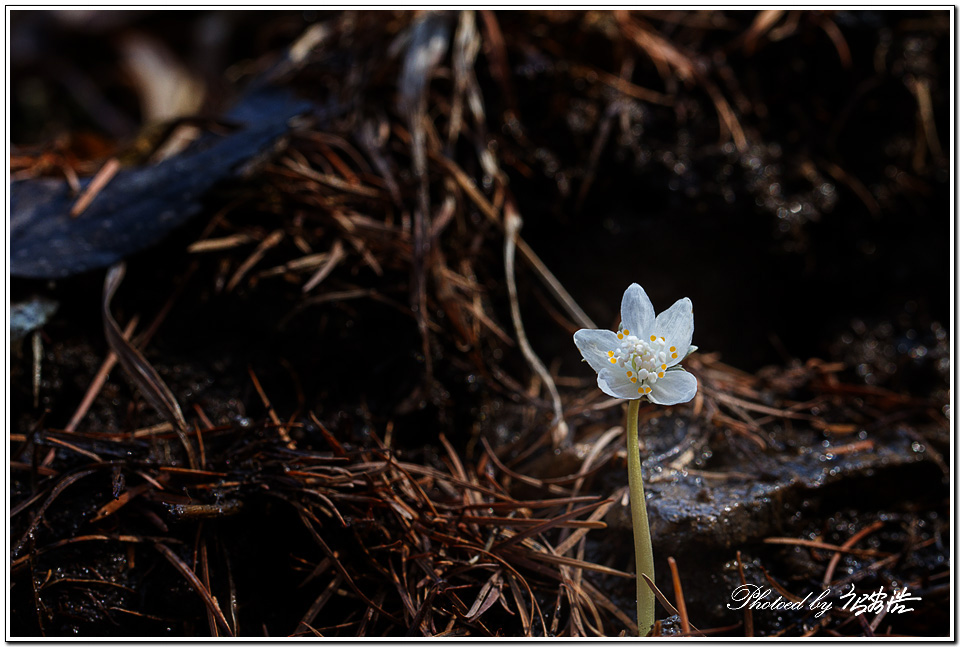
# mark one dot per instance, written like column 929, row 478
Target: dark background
column 836, row 209
column 823, row 233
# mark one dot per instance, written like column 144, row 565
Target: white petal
column 594, row 345
column 636, row 311
column 675, row 324
column 673, row 388
column 615, row 383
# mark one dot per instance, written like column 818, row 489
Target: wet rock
column 696, row 511
column 704, row 517
column 141, row 205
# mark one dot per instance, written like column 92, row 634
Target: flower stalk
column 642, row 544
column 641, row 361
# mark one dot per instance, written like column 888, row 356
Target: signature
column 754, row 596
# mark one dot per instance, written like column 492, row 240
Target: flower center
column 644, row 360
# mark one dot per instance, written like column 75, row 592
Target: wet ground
column 810, row 231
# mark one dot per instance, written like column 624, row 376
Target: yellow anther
column 629, row 373
column 674, row 356
column 673, row 349
column 660, row 374
column 640, row 390
column 647, row 389
column 633, row 379
column 663, row 339
column 626, row 332
column 613, row 360
column 663, row 366
column 653, row 338
column 609, row 353
column 619, row 335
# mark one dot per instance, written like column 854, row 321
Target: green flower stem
column 643, row 547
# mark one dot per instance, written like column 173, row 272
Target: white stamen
column 642, row 356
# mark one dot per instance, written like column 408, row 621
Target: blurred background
column 787, row 170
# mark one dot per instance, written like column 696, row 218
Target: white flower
column 642, row 359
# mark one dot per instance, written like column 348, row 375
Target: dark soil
column 789, row 172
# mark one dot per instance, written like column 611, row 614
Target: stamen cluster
column 644, row 360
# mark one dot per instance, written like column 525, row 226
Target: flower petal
column 673, row 388
column 636, row 311
column 594, row 345
column 675, row 324
column 615, row 383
